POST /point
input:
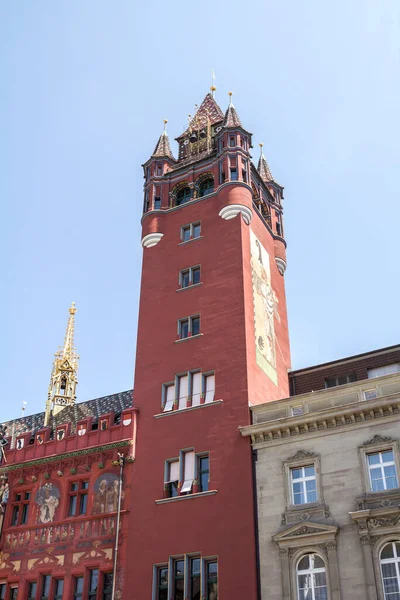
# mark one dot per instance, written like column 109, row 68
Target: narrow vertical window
column 188, row 472
column 304, row 484
column 195, row 573
column 169, row 392
column 311, row 578
column 203, row 472
column 73, row 495
column 45, row 592
column 183, row 381
column 83, row 500
column 232, row 141
column 93, row 583
column 78, row 588
column 2, row 591
column 172, row 480
column 157, row 203
column 382, row 471
column 212, row 580
column 209, row 387
column 185, row 278
column 162, row 583
column 16, row 509
column 195, row 230
column 195, row 325
column 390, row 568
column 32, row 588
column 59, row 589
column 179, row 580
column 195, row 275
column 14, row 593
column 222, row 175
column 196, row 388
column 185, row 233
column 183, row 328
column 107, row 586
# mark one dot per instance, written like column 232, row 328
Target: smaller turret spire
column 231, row 117
column 63, row 380
column 163, row 149
column 263, row 167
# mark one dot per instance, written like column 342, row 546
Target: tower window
column 190, row 232
column 157, row 203
column 183, row 195
column 171, row 484
column 159, row 170
column 189, row 277
column 188, row 327
column 232, row 141
column 206, row 187
column 203, row 472
column 20, row 510
column 162, row 583
column 222, row 175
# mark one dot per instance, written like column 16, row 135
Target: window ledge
column 192, row 337
column 188, row 497
column 183, row 410
column 200, row 237
column 188, row 287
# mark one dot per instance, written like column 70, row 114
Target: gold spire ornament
column 63, row 380
column 213, row 86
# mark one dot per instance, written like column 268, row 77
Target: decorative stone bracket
column 151, row 239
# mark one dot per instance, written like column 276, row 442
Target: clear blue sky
column 84, row 87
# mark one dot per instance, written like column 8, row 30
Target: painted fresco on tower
column 47, row 501
column 106, row 494
column 265, row 309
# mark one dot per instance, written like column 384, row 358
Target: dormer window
column 183, row 196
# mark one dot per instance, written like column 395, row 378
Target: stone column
column 334, row 579
column 285, row 572
column 369, row 571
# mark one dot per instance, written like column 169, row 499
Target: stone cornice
column 322, row 421
column 66, row 455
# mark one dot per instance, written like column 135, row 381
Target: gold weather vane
column 165, row 125
column 63, row 380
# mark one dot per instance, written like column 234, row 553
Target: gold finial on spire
column 165, row 124
column 261, row 148
column 230, row 94
column 213, row 86
column 63, row 380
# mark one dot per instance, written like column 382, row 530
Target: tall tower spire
column 63, row 380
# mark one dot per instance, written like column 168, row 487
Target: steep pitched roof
column 163, row 149
column 70, row 414
column 208, row 110
column 232, row 119
column 264, row 170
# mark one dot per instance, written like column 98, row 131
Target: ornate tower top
column 63, row 380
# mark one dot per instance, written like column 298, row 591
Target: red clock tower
column 212, row 341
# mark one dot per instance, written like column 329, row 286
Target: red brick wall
column 222, row 524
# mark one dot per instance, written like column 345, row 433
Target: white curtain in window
column 210, row 388
column 183, row 391
column 196, row 386
column 174, row 471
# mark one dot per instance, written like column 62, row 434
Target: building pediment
column 306, row 533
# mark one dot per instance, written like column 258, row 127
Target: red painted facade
column 43, row 547
column 218, row 524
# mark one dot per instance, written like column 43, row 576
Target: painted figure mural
column 265, row 309
column 47, row 500
column 106, row 494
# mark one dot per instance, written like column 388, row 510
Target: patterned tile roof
column 264, row 170
column 70, row 414
column 232, row 118
column 208, row 109
column 163, row 149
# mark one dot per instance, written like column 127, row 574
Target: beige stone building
column 327, row 475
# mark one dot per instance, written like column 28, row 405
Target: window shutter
column 196, row 379
column 183, row 391
column 174, row 471
column 210, row 386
